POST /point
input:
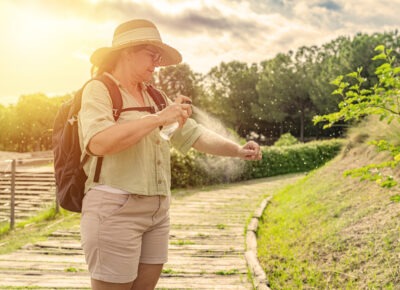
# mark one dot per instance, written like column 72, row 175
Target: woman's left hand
column 182, row 99
column 250, row 151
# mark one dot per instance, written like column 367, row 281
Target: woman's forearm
column 212, row 143
column 123, row 135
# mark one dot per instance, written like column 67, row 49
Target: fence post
column 57, row 203
column 12, row 203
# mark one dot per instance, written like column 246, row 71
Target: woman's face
column 143, row 62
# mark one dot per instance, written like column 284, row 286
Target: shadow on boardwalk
column 207, row 244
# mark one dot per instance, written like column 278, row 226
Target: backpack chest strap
column 149, row 109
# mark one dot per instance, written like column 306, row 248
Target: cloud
column 206, row 32
column 330, row 5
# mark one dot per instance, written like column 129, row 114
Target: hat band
column 139, row 34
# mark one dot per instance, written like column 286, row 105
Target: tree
column 180, row 79
column 345, row 55
column 231, row 91
column 272, row 101
column 283, row 89
column 28, row 125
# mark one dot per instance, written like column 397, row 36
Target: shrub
column 286, row 139
column 198, row 169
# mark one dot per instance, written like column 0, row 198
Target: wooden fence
column 23, row 191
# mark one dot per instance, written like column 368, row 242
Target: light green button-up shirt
column 144, row 168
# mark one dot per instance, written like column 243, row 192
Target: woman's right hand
column 176, row 112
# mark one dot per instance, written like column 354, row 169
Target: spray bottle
column 167, row 131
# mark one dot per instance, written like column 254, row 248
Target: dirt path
column 207, row 244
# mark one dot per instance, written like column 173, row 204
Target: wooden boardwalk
column 207, row 244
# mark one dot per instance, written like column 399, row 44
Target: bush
column 286, row 139
column 198, row 169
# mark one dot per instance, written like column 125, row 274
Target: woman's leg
column 101, row 285
column 148, row 275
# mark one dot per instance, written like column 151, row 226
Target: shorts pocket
column 112, row 204
column 91, row 202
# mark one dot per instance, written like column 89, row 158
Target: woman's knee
column 148, row 275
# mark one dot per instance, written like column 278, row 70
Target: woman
column 125, row 219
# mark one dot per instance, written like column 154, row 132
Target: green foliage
column 27, row 126
column 221, row 226
column 286, row 139
column 376, row 172
column 296, row 158
column 45, row 215
column 71, row 270
column 36, row 228
column 182, row 242
column 230, row 90
column 382, row 99
column 283, row 88
column 322, row 232
column 179, row 79
column 227, row 272
column 395, row 198
column 197, row 169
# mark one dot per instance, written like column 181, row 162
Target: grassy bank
column 333, row 232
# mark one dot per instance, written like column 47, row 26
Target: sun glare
column 33, row 32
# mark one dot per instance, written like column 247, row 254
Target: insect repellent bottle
column 167, row 131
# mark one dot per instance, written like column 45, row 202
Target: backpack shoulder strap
column 115, row 94
column 116, row 99
column 157, row 97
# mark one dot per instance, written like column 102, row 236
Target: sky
column 46, row 44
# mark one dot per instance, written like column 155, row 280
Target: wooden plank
column 30, row 193
column 206, row 251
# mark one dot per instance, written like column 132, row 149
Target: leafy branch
column 382, row 99
column 358, row 102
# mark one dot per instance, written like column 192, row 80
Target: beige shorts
column 119, row 231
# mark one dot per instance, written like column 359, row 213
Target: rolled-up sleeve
column 96, row 111
column 184, row 138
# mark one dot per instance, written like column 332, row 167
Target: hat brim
column 170, row 56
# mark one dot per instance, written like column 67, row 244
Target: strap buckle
column 72, row 120
column 116, row 112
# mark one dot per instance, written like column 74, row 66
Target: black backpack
column 68, row 166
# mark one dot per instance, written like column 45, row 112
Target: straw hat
column 137, row 32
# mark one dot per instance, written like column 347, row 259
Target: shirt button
column 159, row 181
column 158, row 162
column 158, row 142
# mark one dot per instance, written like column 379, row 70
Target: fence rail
column 25, row 189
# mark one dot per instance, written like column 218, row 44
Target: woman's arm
column 212, row 143
column 121, row 136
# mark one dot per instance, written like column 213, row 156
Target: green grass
column 327, row 235
column 71, row 270
column 182, row 242
column 227, row 272
column 221, row 226
column 37, row 228
column 169, row 271
column 44, row 215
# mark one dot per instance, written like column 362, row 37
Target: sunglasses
column 155, row 56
